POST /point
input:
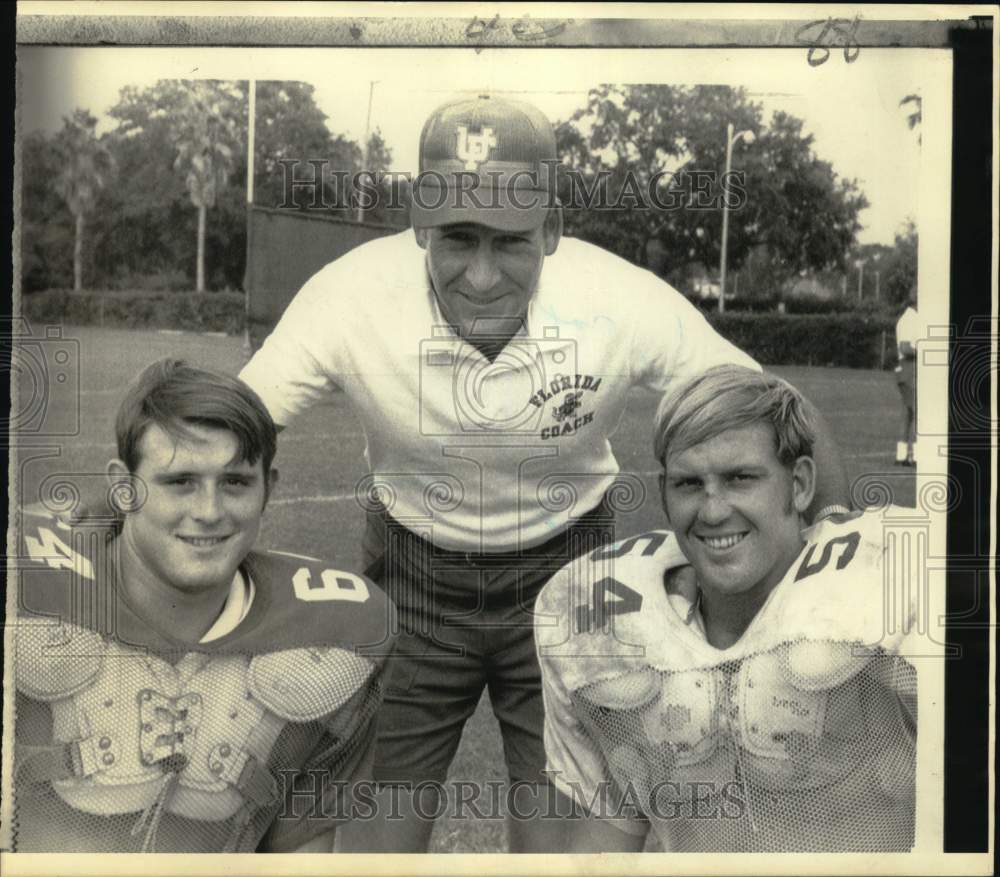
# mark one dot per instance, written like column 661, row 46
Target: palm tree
column 85, row 165
column 206, row 140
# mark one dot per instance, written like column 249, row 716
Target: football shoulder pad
column 606, row 611
column 855, row 581
column 614, row 580
column 55, row 660
column 301, row 685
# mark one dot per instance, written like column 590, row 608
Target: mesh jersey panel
column 121, row 750
column 809, row 747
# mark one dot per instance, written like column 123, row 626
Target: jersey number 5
column 848, row 546
column 332, row 585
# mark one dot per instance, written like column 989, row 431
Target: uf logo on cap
column 474, row 150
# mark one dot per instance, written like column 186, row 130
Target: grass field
column 320, row 459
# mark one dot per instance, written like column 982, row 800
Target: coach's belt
column 600, row 514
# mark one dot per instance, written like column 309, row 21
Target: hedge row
column 794, row 305
column 847, row 340
column 851, row 340
column 854, row 340
column 188, row 311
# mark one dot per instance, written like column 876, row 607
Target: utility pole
column 730, row 140
column 247, row 271
column 364, row 146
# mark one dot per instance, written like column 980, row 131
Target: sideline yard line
column 854, row 412
column 71, row 445
column 290, row 436
column 194, row 333
column 321, row 497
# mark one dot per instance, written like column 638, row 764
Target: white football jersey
column 800, row 737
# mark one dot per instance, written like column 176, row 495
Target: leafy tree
column 139, row 234
column 758, row 277
column 900, row 267
column 290, row 132
column 85, row 167
column 290, row 128
column 207, row 138
column 796, row 204
column 915, row 112
column 796, row 214
column 379, row 155
column 46, row 227
column 147, row 226
column 151, row 225
column 392, row 204
column 623, row 130
column 872, row 275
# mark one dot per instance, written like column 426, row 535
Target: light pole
column 731, row 139
column 248, row 283
column 364, row 146
column 860, row 265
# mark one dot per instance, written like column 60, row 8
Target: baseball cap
column 486, row 160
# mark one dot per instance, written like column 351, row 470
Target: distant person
column 178, row 691
column 734, row 683
column 489, row 360
column 909, row 330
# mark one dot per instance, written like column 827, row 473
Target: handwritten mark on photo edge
column 524, row 30
column 835, row 32
column 530, row 30
column 477, row 27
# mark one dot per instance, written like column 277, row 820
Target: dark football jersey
column 128, row 739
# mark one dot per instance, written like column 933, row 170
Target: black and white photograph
column 502, row 438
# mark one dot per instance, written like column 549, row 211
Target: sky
column 852, row 110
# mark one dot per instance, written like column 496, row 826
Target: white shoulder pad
column 302, row 685
column 53, row 660
column 638, row 562
column 853, row 582
column 629, row 691
column 817, row 665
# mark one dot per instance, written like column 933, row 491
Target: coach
column 489, row 361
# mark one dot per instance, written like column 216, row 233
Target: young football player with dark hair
column 734, row 683
column 177, row 691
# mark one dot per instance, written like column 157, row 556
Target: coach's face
column 202, row 512
column 481, row 273
column 735, row 509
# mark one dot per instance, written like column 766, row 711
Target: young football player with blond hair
column 734, row 683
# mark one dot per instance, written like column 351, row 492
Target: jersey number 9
column 332, row 585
